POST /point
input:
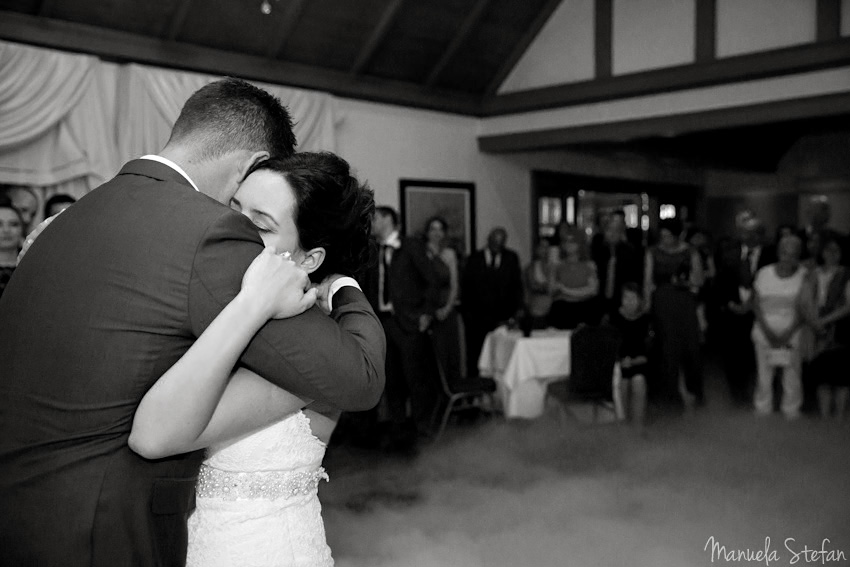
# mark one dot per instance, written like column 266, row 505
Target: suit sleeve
column 336, row 360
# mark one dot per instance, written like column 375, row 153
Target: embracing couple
column 193, row 302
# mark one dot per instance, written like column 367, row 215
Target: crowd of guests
column 768, row 307
column 19, row 212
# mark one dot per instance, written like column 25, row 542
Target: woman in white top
column 777, row 295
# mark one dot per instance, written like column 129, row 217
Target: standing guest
column 700, row 241
column 492, row 293
column 575, row 284
column 777, row 305
column 617, row 261
column 445, row 328
column 11, row 238
column 633, row 323
column 24, row 199
column 828, row 314
column 737, row 262
column 411, row 283
column 537, row 286
column 57, row 203
column 673, row 277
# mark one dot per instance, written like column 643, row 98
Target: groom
column 107, row 299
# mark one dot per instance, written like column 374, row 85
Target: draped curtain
column 68, row 122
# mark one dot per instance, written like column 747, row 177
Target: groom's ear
column 248, row 164
column 313, row 259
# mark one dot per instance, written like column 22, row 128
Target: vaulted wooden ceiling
column 440, row 54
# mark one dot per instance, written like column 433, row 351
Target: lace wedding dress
column 257, row 502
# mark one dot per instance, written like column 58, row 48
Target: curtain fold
column 71, row 121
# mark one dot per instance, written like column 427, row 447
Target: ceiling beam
column 625, row 130
column 291, row 15
column 127, row 47
column 45, row 8
column 179, row 18
column 469, row 23
column 774, row 63
column 519, row 50
column 705, row 29
column 378, row 35
column 828, row 20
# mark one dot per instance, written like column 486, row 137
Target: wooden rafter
column 291, row 15
column 518, row 51
column 463, row 32
column 378, row 35
column 179, row 19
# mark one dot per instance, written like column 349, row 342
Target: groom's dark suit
column 105, row 301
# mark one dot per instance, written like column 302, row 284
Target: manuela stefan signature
column 793, row 553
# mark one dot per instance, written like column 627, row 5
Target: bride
column 256, row 498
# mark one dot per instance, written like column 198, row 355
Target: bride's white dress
column 257, row 502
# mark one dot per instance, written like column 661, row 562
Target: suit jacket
column 734, row 272
column 411, row 278
column 110, row 296
column 491, row 295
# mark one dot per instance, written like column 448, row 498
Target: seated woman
column 777, row 305
column 574, row 282
column 633, row 323
column 257, row 497
column 828, row 310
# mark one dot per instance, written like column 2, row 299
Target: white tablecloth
column 523, row 367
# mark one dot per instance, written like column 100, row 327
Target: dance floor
column 554, row 492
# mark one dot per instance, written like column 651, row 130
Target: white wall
column 562, row 52
column 651, row 34
column 387, row 143
column 758, row 25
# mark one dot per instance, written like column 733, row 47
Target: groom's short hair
column 232, row 115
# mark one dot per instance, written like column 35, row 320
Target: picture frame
column 454, row 201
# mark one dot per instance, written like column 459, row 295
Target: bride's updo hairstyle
column 333, row 211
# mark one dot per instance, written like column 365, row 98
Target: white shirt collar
column 393, row 240
column 172, row 165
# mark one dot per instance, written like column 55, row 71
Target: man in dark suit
column 109, row 297
column 411, row 278
column 617, row 261
column 737, row 262
column 491, row 293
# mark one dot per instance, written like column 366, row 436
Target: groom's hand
column 276, row 286
column 323, row 293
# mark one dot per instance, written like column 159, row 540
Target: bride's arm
column 177, row 413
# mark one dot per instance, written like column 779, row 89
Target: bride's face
column 266, row 198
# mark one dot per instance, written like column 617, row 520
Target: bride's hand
column 276, row 286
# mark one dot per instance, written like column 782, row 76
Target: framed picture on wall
column 453, row 201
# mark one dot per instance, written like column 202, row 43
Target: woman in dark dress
column 673, row 276
column 445, row 329
column 11, row 238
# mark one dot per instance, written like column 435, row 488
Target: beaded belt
column 269, row 485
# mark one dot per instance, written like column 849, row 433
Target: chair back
column 594, row 350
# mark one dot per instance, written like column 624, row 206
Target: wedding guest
column 673, row 275
column 11, row 238
column 57, row 203
column 537, row 286
column 633, row 323
column 700, row 241
column 445, row 328
column 24, row 199
column 617, row 261
column 491, row 292
column 777, row 305
column 828, row 315
column 575, row 284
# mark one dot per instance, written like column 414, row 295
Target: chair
column 462, row 396
column 593, row 352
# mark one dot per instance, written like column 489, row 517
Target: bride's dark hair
column 333, row 210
